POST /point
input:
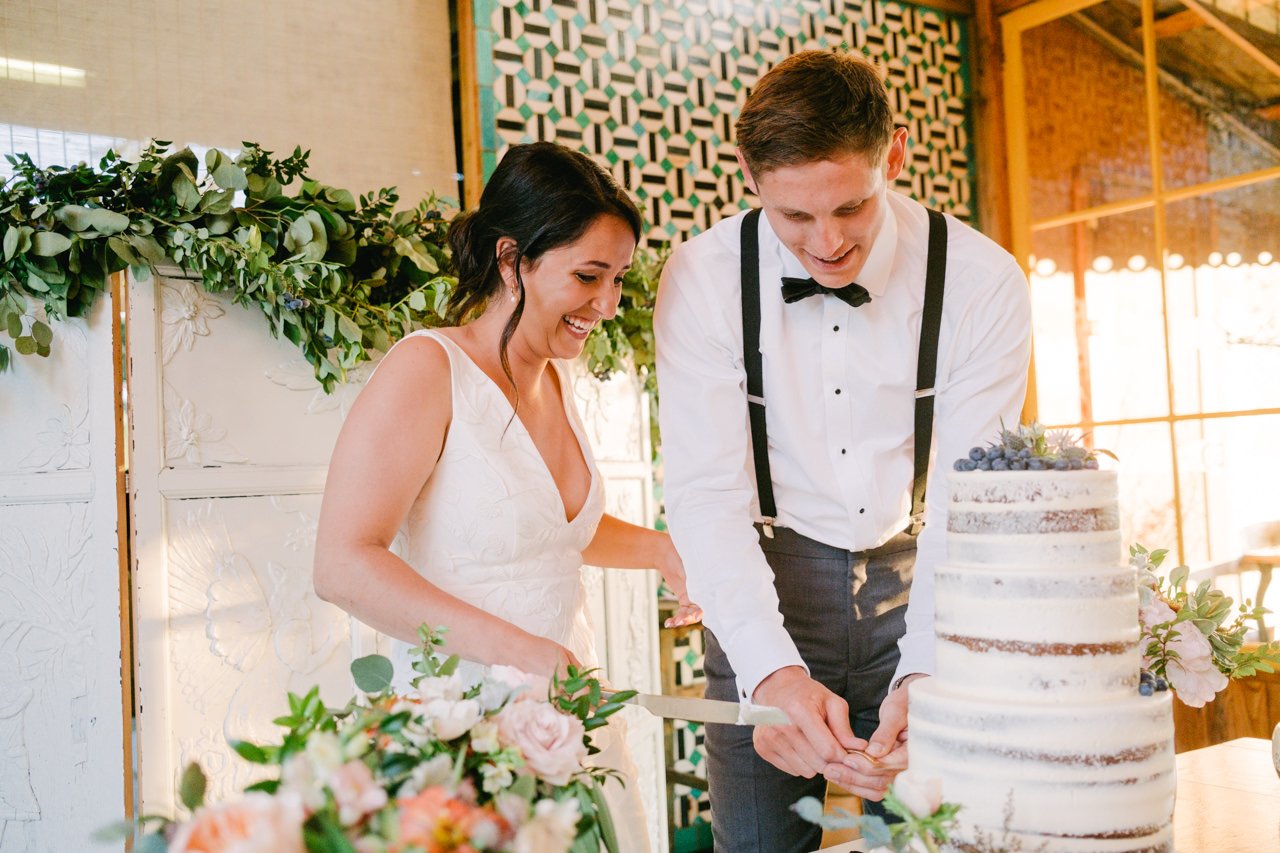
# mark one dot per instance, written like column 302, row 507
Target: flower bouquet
column 444, row 767
column 1187, row 641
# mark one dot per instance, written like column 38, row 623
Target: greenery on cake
column 926, row 820
column 1194, row 639
column 1030, row 447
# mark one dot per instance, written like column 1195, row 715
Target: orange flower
column 440, row 822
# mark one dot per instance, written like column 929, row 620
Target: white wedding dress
column 490, row 528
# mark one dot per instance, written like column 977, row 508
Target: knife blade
column 709, row 710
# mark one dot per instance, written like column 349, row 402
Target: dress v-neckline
column 565, row 402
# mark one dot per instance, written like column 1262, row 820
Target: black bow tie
column 795, row 289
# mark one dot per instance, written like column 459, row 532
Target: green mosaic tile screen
column 651, row 89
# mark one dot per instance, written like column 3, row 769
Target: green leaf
column 42, row 333
column 153, row 843
column 15, row 325
column 418, row 301
column 250, row 752
column 372, row 673
column 604, row 820
column 229, row 176
column 148, row 247
column 46, row 244
column 192, row 787
column 4, row 358
column 123, row 251
column 116, row 831
column 25, row 345
column 11, row 243
column 348, row 329
column 186, row 192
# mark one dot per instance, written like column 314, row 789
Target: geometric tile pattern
column 651, row 90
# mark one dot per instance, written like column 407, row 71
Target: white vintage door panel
column 61, row 714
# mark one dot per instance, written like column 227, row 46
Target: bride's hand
column 548, row 657
column 672, row 569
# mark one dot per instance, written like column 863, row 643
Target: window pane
column 1147, row 515
column 1086, row 111
column 1098, row 321
column 1228, row 470
column 1223, row 281
column 1217, row 94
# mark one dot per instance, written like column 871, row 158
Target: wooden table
column 1228, row 801
column 1264, row 559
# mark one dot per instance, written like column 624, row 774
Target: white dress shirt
column 839, row 385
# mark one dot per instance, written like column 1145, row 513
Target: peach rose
column 437, row 820
column 551, row 742
column 255, row 823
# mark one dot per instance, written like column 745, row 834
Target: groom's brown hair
column 812, row 106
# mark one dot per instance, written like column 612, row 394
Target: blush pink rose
column 255, row 823
column 550, row 742
column 1193, row 674
column 355, row 792
column 1155, row 612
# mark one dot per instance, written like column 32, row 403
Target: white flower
column 448, row 687
column 324, row 750
column 920, row 795
column 428, row 774
column 496, row 778
column 484, row 737
column 298, row 776
column 551, row 829
column 449, row 719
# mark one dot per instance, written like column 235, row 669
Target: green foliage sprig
column 1208, row 610
column 336, row 276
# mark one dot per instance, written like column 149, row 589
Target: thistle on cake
column 1189, row 639
column 1030, row 447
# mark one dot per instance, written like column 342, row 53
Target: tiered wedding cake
column 1033, row 719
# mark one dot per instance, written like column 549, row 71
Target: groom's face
column 829, row 212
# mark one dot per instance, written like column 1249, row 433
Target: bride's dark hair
column 542, row 196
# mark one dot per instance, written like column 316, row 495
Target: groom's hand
column 819, row 733
column 891, row 734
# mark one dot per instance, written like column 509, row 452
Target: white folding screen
column 62, row 743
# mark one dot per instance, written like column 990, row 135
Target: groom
column 808, row 362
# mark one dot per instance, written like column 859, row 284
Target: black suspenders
column 926, row 366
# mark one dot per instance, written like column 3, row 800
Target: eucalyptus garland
column 338, row 277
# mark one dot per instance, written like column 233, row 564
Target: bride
column 466, row 440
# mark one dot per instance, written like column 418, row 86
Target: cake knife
column 708, row 710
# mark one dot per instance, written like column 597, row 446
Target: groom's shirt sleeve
column 709, row 493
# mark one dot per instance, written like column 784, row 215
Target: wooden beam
column 1271, row 112
column 469, row 106
column 988, row 126
column 1246, row 47
column 1173, row 25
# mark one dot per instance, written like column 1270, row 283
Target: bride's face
column 570, row 289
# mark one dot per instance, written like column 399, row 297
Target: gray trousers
column 845, row 611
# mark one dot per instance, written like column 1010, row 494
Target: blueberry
column 1146, row 689
column 1161, row 684
column 994, row 453
column 977, row 454
column 1077, row 464
column 1035, row 463
column 1147, row 677
column 959, row 466
column 1061, row 465
column 984, row 465
column 999, row 464
column 1091, row 464
column 1024, row 453
column 1017, row 465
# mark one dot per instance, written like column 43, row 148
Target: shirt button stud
column 862, row 510
column 835, row 328
column 837, row 390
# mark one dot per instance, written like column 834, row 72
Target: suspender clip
column 917, row 524
column 924, row 392
column 752, row 398
column 767, row 527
